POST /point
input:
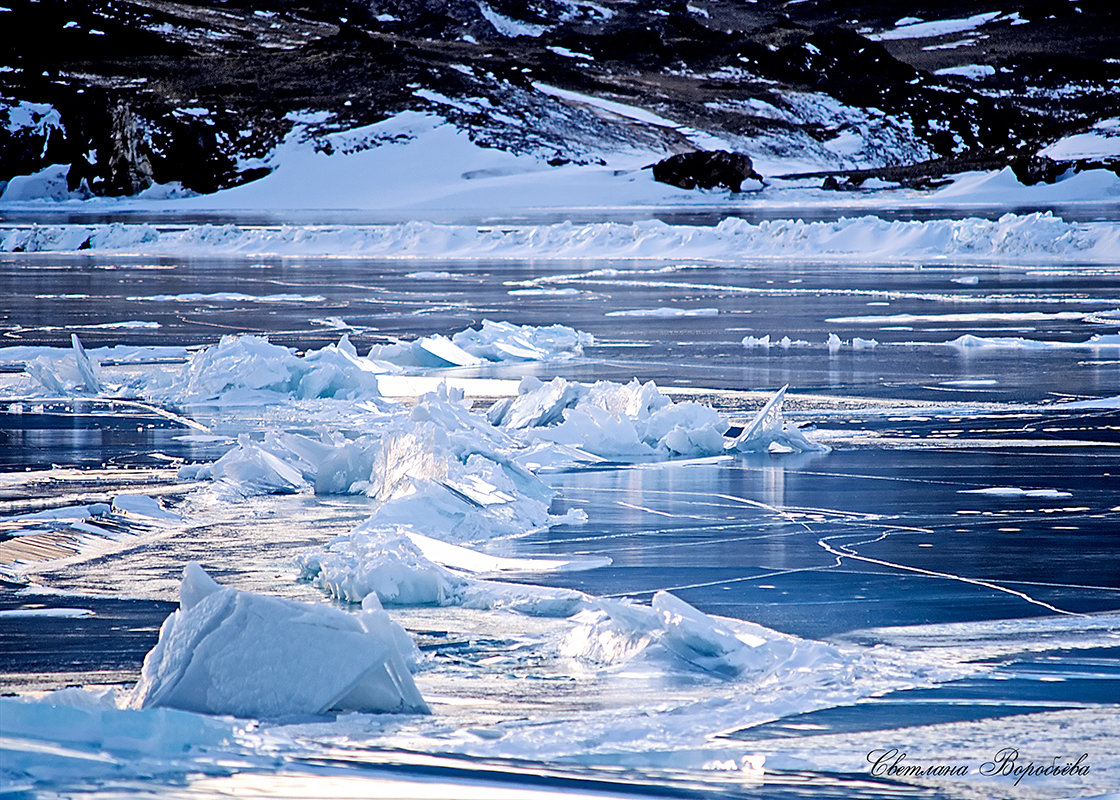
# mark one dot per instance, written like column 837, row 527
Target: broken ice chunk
column 231, row 652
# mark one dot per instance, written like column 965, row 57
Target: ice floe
column 1015, row 491
column 231, row 652
column 1094, row 342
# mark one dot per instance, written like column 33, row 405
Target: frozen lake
column 965, row 519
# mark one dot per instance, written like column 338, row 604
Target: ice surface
column 231, row 652
column 230, row 297
column 82, row 735
column 664, row 312
column 1012, row 237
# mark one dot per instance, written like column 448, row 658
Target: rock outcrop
column 715, row 169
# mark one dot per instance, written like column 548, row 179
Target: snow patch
column 943, row 27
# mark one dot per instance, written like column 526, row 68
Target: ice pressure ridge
column 243, row 368
column 1012, row 236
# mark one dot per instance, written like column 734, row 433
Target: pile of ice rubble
column 439, row 475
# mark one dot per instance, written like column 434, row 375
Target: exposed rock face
column 1032, row 169
column 706, row 170
column 127, row 92
column 130, row 171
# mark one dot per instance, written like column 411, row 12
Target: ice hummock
column 231, row 652
column 614, row 632
column 391, row 565
column 436, row 467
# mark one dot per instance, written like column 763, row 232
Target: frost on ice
column 231, row 652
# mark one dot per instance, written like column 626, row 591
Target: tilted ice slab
column 1012, row 237
column 231, row 652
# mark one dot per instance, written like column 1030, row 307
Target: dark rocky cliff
column 133, row 92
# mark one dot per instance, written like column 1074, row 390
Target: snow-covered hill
column 181, row 97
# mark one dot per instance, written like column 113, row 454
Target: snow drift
column 231, row 652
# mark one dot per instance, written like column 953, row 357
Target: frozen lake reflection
column 945, row 581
